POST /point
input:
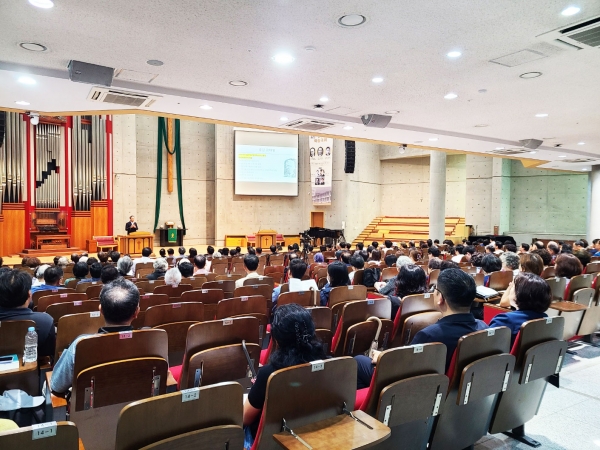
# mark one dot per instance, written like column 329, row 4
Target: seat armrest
column 56, row 405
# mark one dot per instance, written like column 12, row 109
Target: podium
column 266, row 238
column 163, row 234
column 132, row 244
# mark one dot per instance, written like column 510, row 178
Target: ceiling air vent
column 579, row 160
column 582, row 35
column 309, row 124
column 124, row 98
column 509, row 151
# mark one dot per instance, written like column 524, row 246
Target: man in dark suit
column 131, row 226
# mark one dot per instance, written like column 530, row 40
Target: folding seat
column 196, row 281
column 480, row 369
column 548, row 272
column 148, row 285
column 539, row 351
column 142, row 269
column 219, row 267
column 58, row 310
column 203, row 418
column 590, row 322
column 82, row 287
column 276, row 272
column 48, row 300
column 578, row 282
column 356, row 330
column 490, row 311
column 175, row 319
column 593, row 267
column 499, row 281
column 275, row 260
column 227, row 286
column 229, row 277
column 71, row 326
column 305, row 298
column 93, row 292
column 44, row 436
column 358, row 277
column 406, row 391
column 208, row 297
column 413, row 324
column 315, row 401
column 12, row 342
column 433, row 276
column 558, row 286
column 343, row 294
column 572, row 312
column 257, row 289
column 146, row 301
column 174, row 292
column 410, row 305
column 260, row 280
column 388, row 273
column 212, row 334
column 321, row 316
column 35, row 297
column 72, row 283
column 254, row 306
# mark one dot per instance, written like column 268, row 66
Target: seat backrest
column 321, row 316
column 535, row 332
column 410, row 305
column 260, row 280
column 413, row 324
column 388, row 273
column 220, row 267
column 183, row 419
column 360, row 337
column 209, row 297
column 401, row 363
column 433, row 276
column 93, row 291
column 557, row 285
column 148, row 285
column 548, row 272
column 305, row 298
column 71, row 326
column 241, row 305
column 196, row 281
column 290, row 397
column 12, row 336
column 358, row 311
column 59, row 310
column 579, row 282
column 593, row 267
column 227, row 286
column 276, row 260
column 65, row 437
column 256, row 289
column 173, row 292
column 499, row 281
column 82, row 287
column 35, row 297
column 174, row 312
column 229, row 277
column 48, row 300
column 359, row 276
column 584, row 296
column 342, row 294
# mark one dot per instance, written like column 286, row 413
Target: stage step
column 58, row 251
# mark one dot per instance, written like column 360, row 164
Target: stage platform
column 58, row 251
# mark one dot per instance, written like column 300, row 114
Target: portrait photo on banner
column 321, row 169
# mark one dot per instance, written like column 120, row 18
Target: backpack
column 370, row 276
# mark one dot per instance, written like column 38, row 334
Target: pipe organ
column 13, row 159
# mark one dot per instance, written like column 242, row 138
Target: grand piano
column 320, row 236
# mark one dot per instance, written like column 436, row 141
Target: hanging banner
column 321, row 169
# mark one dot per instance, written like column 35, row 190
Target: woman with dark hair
column 545, row 255
column 294, row 333
column 337, row 275
column 415, row 255
column 532, row 263
column 532, row 297
column 410, row 280
column 490, row 263
column 568, row 266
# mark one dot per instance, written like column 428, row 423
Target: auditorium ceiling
column 293, row 55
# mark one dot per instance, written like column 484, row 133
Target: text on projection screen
column 266, row 163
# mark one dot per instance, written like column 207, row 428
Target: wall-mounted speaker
column 350, row 156
column 83, row 72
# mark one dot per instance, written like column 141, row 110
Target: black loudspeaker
column 83, row 72
column 350, row 155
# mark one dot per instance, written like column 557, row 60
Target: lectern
column 167, row 234
column 266, row 238
column 132, row 244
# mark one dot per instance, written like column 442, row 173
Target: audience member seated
column 91, row 261
column 200, row 265
column 337, row 275
column 38, row 276
column 80, row 271
column 15, row 295
column 390, row 260
column 103, row 258
column 387, row 288
column 250, row 266
column 170, row 253
column 434, row 252
column 583, row 257
column 186, row 269
column 319, row 258
column 75, row 258
column 163, row 253
column 345, row 258
column 62, row 262
column 545, row 255
column 524, row 248
column 415, row 255
column 192, row 253
column 114, row 257
column 567, row 266
column 410, row 280
column 294, row 333
column 433, row 264
column 531, row 296
column 554, row 251
column 510, row 261
column 296, row 284
column 490, row 263
column 531, row 263
column 357, row 263
column 448, row 264
column 458, row 253
column 160, row 269
column 595, row 250
column 119, row 305
column 258, row 251
column 52, row 280
column 181, row 253
column 109, row 273
column 273, row 249
column 146, row 252
column 124, row 265
column 173, row 277
column 95, row 273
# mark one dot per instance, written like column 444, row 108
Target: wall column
column 593, row 228
column 437, row 196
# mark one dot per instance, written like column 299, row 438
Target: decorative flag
column 172, row 235
column 321, row 169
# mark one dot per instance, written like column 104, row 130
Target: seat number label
column 95, row 314
column 317, row 365
column 77, row 303
column 190, row 394
column 125, row 334
column 43, row 430
column 227, row 322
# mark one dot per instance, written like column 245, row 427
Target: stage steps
column 58, row 251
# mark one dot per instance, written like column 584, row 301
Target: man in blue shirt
column 95, row 274
column 52, row 278
column 453, row 296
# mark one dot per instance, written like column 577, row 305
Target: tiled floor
column 569, row 417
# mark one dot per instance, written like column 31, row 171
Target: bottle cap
column 31, row 329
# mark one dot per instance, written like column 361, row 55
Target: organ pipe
column 12, row 159
column 48, row 145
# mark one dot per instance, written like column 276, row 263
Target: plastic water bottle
column 31, row 342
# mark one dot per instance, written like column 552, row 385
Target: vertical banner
column 321, row 169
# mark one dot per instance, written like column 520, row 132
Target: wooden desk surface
column 339, row 432
column 567, row 306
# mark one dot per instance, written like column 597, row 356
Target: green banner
column 172, row 235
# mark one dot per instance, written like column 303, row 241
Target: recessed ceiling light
column 207, row 107
column 393, row 111
column 283, row 119
column 481, row 125
column 310, row 48
column 283, row 58
column 499, row 148
column 562, row 156
column 454, row 54
column 238, row 83
column 33, row 47
column 46, row 4
column 26, row 80
column 324, row 99
column 527, row 75
column 482, row 91
column 154, row 62
column 533, row 153
column 541, row 115
column 347, row 127
column 570, row 11
column 585, row 170
column 23, row 103
column 581, row 143
column 351, row 20
column 433, row 139
column 377, row 80
column 450, row 96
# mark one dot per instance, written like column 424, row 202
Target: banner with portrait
column 321, row 169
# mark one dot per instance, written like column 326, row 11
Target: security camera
column 402, row 148
column 34, row 118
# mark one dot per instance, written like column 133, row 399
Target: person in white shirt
column 146, row 252
column 296, row 283
column 250, row 266
column 458, row 253
column 200, row 265
column 357, row 262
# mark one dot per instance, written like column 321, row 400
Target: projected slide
column 266, row 163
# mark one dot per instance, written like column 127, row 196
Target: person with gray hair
column 173, row 277
column 119, row 305
column 124, row 265
column 63, row 262
column 510, row 261
column 160, row 269
column 389, row 287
